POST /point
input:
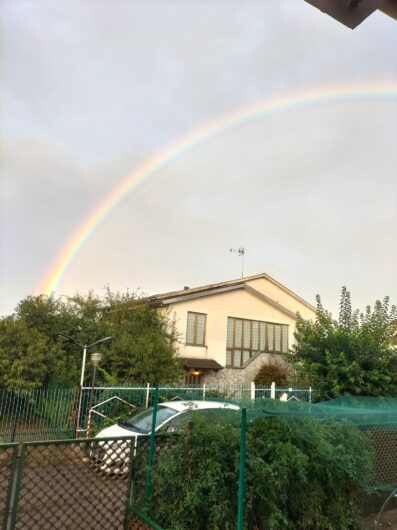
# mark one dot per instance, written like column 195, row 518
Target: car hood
column 116, row 431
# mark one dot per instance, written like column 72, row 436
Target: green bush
column 272, row 373
column 300, row 475
column 354, row 354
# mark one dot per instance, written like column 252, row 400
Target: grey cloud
column 91, row 89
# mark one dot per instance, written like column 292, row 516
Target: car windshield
column 142, row 422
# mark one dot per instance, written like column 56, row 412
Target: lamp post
column 96, row 358
column 85, row 348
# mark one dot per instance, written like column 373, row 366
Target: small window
column 195, row 329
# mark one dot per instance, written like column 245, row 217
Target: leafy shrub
column 354, row 354
column 269, row 373
column 300, row 475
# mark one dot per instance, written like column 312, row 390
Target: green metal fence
column 86, row 484
column 8, row 459
column 68, row 484
column 378, row 425
column 38, row 414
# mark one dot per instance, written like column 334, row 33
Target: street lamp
column 85, row 348
column 96, row 358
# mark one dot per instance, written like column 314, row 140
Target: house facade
column 226, row 331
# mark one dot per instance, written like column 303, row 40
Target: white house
column 228, row 330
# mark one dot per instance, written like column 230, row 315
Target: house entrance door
column 193, row 378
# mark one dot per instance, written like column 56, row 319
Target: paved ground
column 388, row 521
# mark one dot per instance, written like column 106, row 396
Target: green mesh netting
column 374, row 418
column 357, row 435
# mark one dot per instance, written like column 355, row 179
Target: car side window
column 179, row 422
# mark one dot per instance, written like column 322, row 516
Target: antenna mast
column 240, row 251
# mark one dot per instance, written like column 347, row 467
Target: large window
column 195, row 329
column 246, row 337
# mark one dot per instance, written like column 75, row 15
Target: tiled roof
column 205, row 290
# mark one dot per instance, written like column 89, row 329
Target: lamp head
column 96, row 358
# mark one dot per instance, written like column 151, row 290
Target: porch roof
column 200, row 364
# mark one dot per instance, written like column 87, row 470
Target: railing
column 52, row 413
column 38, row 413
column 90, row 483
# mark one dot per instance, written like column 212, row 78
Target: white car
column 172, row 416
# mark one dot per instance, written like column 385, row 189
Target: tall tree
column 34, row 354
column 354, row 354
column 143, row 345
column 28, row 358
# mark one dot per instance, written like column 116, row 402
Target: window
column 246, row 337
column 195, row 330
column 142, row 422
column 180, row 422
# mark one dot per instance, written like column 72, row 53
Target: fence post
column 204, row 391
column 243, row 435
column 7, row 512
column 151, row 446
column 252, row 390
column 273, row 390
column 130, row 489
column 16, row 479
column 310, row 394
column 147, row 395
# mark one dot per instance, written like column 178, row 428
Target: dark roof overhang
column 201, row 364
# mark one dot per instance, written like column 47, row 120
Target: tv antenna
column 240, row 251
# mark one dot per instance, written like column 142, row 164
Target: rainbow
column 363, row 91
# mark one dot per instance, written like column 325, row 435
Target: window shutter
column 285, row 339
column 277, row 338
column 262, row 336
column 190, row 328
column 270, row 337
column 237, row 357
column 255, row 336
column 230, row 323
column 247, row 334
column 228, row 358
column 200, row 329
column 238, row 337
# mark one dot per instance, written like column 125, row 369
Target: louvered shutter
column 270, row 337
column 247, row 334
column 238, row 336
column 262, row 336
column 277, row 338
column 200, row 329
column 285, row 339
column 190, row 328
column 255, row 336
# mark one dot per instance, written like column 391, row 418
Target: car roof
column 181, row 406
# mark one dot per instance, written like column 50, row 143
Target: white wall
column 238, row 303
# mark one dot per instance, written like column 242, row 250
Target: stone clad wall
column 245, row 374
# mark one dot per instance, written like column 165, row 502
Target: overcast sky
column 90, row 89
